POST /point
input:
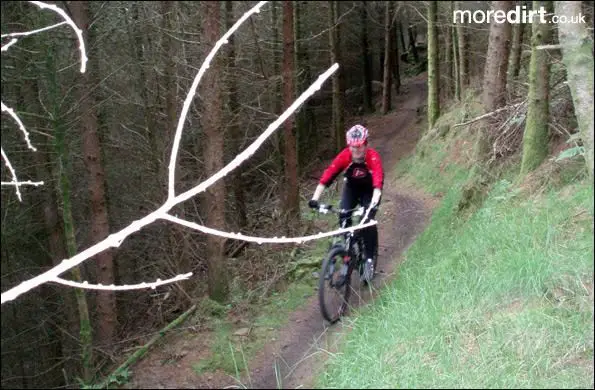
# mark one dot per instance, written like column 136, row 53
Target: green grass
column 500, row 298
column 230, row 352
column 269, row 311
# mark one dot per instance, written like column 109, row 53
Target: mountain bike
column 346, row 254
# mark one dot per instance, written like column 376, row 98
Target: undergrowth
column 496, row 294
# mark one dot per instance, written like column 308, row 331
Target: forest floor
column 295, row 356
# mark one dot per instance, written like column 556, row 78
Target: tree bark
column 412, row 44
column 387, row 74
column 433, row 66
column 149, row 113
column 276, row 68
column 65, row 303
column 277, row 105
column 535, row 138
column 291, row 206
column 368, row 107
column 170, row 70
column 456, row 60
column 463, row 57
column 494, row 80
column 516, row 51
column 448, row 59
column 299, row 63
column 401, row 36
column 395, row 53
column 577, row 53
column 218, row 283
column 100, row 229
column 303, row 58
column 236, row 135
column 338, row 87
column 62, row 168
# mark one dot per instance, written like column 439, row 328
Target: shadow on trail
column 304, row 343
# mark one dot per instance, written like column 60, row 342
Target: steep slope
column 295, row 356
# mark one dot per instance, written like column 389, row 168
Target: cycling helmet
column 357, row 136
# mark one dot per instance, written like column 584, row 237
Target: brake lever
column 359, row 212
column 324, row 209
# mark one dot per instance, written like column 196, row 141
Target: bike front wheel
column 334, row 286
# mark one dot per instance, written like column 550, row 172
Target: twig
column 488, row 114
column 548, row 47
column 112, row 287
column 143, row 350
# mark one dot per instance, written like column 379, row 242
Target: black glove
column 313, row 204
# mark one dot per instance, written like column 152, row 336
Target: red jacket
column 343, row 160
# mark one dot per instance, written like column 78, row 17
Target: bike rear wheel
column 334, row 288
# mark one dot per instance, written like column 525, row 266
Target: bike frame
column 348, row 240
column 344, row 244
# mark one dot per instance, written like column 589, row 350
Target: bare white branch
column 116, row 239
column 112, row 287
column 23, row 183
column 14, row 116
column 263, row 240
column 78, row 31
column 192, row 92
column 9, row 44
column 249, row 151
column 26, row 33
column 12, row 173
column 548, row 47
column 10, row 111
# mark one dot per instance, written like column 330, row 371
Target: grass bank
column 498, row 297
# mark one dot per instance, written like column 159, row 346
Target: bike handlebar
column 326, row 208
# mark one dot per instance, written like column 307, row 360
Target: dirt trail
column 302, row 345
column 306, row 341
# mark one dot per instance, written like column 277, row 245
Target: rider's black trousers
column 350, row 198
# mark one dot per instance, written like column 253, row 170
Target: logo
column 358, row 173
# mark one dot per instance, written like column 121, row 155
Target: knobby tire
column 329, row 314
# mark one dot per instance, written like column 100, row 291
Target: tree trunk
column 291, row 205
column 494, row 80
column 277, row 137
column 516, row 51
column 235, row 133
column 218, row 284
column 137, row 42
column 401, row 36
column 85, row 330
column 368, row 107
column 395, row 54
column 67, row 322
column 277, row 106
column 170, row 70
column 433, row 66
column 577, row 52
column 106, row 300
column 463, row 58
column 298, row 60
column 309, row 117
column 63, row 190
column 448, row 60
column 535, row 139
column 412, row 45
column 181, row 258
column 338, row 88
column 456, row 60
column 387, row 74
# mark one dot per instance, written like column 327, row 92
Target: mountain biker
column 363, row 184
